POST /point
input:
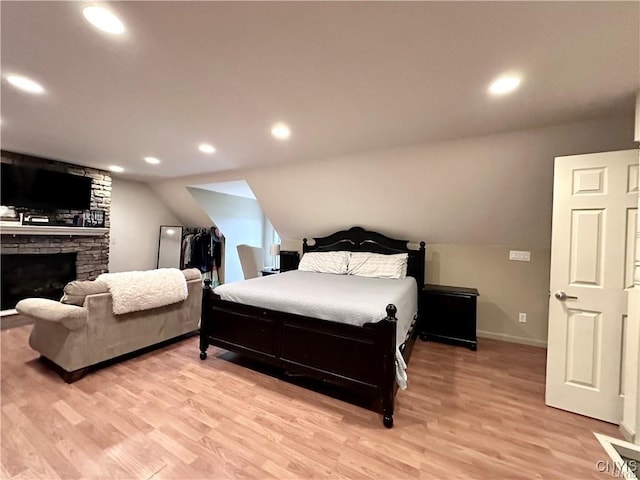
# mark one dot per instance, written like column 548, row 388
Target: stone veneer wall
column 93, row 251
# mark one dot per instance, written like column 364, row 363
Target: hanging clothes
column 217, row 238
column 201, row 255
column 202, row 249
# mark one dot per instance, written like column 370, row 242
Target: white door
column 594, row 209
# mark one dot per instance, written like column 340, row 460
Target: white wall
column 240, row 220
column 492, row 190
column 183, row 205
column 472, row 198
column 136, row 216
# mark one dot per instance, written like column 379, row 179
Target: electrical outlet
column 522, row 317
column 519, row 256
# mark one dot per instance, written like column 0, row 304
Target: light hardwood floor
column 167, row 414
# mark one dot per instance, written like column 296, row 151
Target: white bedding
column 345, row 298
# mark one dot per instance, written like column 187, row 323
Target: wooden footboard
column 360, row 359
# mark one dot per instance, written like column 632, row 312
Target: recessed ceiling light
column 116, row 169
column 504, row 84
column 170, row 231
column 281, row 131
column 103, row 19
column 206, row 148
column 25, row 84
column 152, row 160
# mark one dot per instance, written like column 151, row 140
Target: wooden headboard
column 357, row 239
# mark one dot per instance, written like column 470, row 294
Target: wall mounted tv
column 36, row 188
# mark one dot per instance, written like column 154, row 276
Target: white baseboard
column 513, row 339
column 626, row 432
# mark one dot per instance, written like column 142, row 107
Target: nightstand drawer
column 448, row 314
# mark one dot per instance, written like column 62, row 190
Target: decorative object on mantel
column 8, row 214
column 35, row 220
column 94, row 218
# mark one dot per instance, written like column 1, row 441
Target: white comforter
column 344, row 298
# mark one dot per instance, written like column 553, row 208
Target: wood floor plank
column 11, row 455
column 168, row 415
column 169, row 443
column 129, row 461
column 36, row 439
column 69, row 414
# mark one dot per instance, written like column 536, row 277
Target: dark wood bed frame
column 358, row 358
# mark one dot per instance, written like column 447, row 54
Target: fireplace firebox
column 35, row 275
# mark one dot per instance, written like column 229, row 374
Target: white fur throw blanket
column 135, row 291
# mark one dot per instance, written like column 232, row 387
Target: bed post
column 422, row 266
column 204, row 318
column 389, row 371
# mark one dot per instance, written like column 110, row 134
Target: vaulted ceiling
column 346, row 77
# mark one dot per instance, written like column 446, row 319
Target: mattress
column 339, row 298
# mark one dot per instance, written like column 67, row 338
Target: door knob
column 560, row 295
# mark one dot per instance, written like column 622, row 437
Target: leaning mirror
column 169, row 248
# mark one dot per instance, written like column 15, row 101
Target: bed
column 358, row 357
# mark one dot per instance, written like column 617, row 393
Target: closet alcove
column 192, row 247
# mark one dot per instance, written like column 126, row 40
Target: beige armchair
column 251, row 260
column 84, row 331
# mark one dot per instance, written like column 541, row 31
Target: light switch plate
column 519, row 256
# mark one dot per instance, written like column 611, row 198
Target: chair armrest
column 71, row 317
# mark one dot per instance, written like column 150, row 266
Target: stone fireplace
column 90, row 246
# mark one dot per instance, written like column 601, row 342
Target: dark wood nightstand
column 268, row 271
column 448, row 314
column 289, row 260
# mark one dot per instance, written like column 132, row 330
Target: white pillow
column 325, row 262
column 367, row 264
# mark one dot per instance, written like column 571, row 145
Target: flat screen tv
column 29, row 187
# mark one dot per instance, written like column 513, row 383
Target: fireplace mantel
column 51, row 230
